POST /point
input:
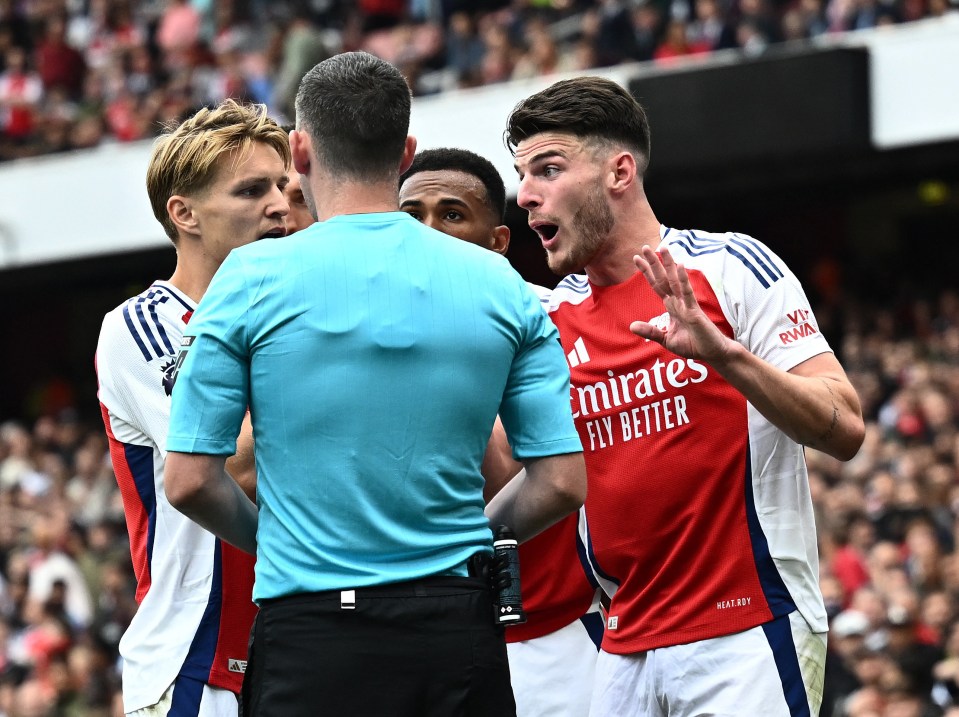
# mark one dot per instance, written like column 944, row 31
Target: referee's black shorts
column 427, row 648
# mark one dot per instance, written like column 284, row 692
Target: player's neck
column 632, row 230
column 191, row 278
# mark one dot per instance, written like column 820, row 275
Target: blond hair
column 185, row 157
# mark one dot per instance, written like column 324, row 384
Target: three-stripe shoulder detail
column 573, row 289
column 747, row 250
column 576, row 283
column 144, row 325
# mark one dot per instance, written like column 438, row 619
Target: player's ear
column 180, row 210
column 300, row 146
column 623, row 172
column 500, row 239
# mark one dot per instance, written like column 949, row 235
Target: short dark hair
column 356, row 109
column 592, row 108
column 462, row 160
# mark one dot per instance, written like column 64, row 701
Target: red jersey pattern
column 698, row 511
column 194, row 592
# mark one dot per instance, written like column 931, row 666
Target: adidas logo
column 661, row 322
column 234, row 665
column 579, row 354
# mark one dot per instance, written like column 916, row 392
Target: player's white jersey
column 699, row 517
column 193, row 617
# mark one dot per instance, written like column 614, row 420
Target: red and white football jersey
column 194, row 592
column 699, row 517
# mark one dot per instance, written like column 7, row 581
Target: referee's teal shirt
column 374, row 354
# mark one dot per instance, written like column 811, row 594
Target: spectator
column 21, row 90
column 499, row 56
column 847, row 641
column 707, row 26
column 647, row 25
column 178, row 32
column 303, row 48
column 676, row 43
column 541, row 57
column 53, row 571
column 849, row 560
column 464, row 49
column 59, row 65
column 912, row 653
column 615, row 39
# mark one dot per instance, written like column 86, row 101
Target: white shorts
column 773, row 670
column 192, row 698
column 552, row 675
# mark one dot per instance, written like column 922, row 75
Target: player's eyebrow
column 246, row 181
column 540, row 156
column 455, row 201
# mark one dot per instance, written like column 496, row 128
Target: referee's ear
column 300, row 145
column 180, row 210
column 409, row 152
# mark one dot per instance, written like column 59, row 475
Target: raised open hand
column 690, row 333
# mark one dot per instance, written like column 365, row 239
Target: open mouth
column 274, row 233
column 547, row 231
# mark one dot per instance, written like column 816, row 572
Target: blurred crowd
column 66, row 581
column 888, row 526
column 77, row 73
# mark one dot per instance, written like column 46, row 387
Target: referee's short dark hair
column 356, row 109
column 462, row 160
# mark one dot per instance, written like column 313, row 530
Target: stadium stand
column 78, row 73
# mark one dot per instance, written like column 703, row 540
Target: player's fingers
column 647, row 271
column 647, row 331
column 686, row 288
column 671, row 270
column 656, row 276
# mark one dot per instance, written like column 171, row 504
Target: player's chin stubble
column 590, row 227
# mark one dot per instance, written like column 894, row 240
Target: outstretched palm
column 690, row 333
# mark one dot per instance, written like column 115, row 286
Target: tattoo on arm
column 826, row 435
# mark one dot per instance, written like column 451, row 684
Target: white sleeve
column 542, row 292
column 770, row 313
column 135, row 377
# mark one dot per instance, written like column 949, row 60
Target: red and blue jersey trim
column 133, row 466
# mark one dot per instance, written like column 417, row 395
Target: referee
column 374, row 355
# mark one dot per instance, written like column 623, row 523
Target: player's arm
column 498, row 465
column 242, row 465
column 813, row 403
column 547, row 490
column 199, row 487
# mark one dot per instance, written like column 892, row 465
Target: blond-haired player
column 215, row 182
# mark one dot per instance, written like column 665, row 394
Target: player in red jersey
column 698, row 373
column 552, row 656
column 215, row 182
